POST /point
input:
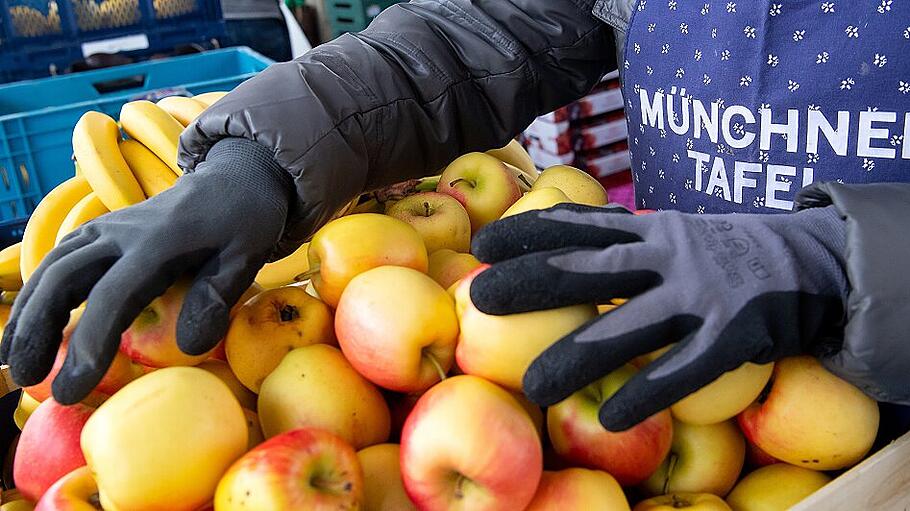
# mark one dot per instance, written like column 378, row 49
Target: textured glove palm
column 727, row 289
column 220, row 223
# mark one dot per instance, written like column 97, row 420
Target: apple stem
column 432, row 359
column 671, row 466
column 426, row 208
column 460, row 180
column 307, row 275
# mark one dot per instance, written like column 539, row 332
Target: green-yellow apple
column 578, row 488
column 725, row 397
column 440, row 219
column 383, row 488
column 702, row 459
column 48, row 448
column 469, row 445
column 316, row 387
column 222, row 370
column 775, row 488
column 448, row 267
column 811, row 418
column 539, row 198
column 306, row 468
column 482, row 184
column 164, row 440
column 121, row 371
column 351, row 245
column 687, row 501
column 270, row 325
column 500, row 348
column 151, row 339
column 397, row 327
column 578, row 436
column 75, row 491
column 26, row 505
column 577, row 184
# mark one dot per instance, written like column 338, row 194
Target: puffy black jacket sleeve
column 427, row 81
column 875, row 354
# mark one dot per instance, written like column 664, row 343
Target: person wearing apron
column 769, row 137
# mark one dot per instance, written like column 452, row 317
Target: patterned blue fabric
column 734, row 106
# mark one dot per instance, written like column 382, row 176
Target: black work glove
column 220, row 223
column 728, row 289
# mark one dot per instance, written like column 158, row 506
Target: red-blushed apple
column 578, row 436
column 482, row 184
column 121, row 371
column 49, row 448
column 397, row 327
column 270, row 325
column 756, row 457
column 500, row 348
column 775, row 487
column 75, row 491
column 306, row 468
column 468, row 444
column 578, row 488
column 440, row 219
column 686, row 501
column 383, row 488
column 534, row 412
column 351, row 245
column 448, row 267
column 579, row 186
column 811, row 418
column 702, row 459
column 337, row 398
column 152, row 337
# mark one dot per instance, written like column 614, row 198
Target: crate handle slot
column 5, row 177
column 119, row 84
column 25, row 177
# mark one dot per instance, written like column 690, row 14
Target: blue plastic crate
column 37, row 117
column 353, row 15
column 39, row 38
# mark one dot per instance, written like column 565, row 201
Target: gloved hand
column 220, row 223
column 726, row 288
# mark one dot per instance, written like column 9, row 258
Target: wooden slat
column 880, row 483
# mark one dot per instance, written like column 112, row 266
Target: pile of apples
column 373, row 383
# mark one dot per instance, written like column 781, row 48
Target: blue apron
column 733, row 106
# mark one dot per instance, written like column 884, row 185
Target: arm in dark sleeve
column 875, row 355
column 428, row 81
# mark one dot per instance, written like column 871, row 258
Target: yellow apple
column 538, row 198
column 775, row 488
column 284, row 271
column 351, row 245
column 223, row 371
column 315, row 387
column 702, row 459
column 76, row 491
column 725, row 397
column 448, row 267
column 164, row 440
column 577, row 184
column 440, row 219
column 687, row 501
column 482, row 184
column 500, row 348
column 270, row 325
column 383, row 488
column 397, row 327
column 24, row 505
column 578, row 488
column 811, row 418
column 254, row 430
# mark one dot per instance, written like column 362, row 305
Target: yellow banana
column 10, row 278
column 153, row 175
column 185, row 110
column 282, row 272
column 44, row 224
column 95, row 141
column 149, row 124
column 209, row 98
column 88, row 208
column 514, row 154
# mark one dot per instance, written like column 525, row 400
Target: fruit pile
column 357, row 374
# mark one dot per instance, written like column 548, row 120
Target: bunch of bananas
column 113, row 171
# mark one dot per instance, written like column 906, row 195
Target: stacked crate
column 590, row 134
